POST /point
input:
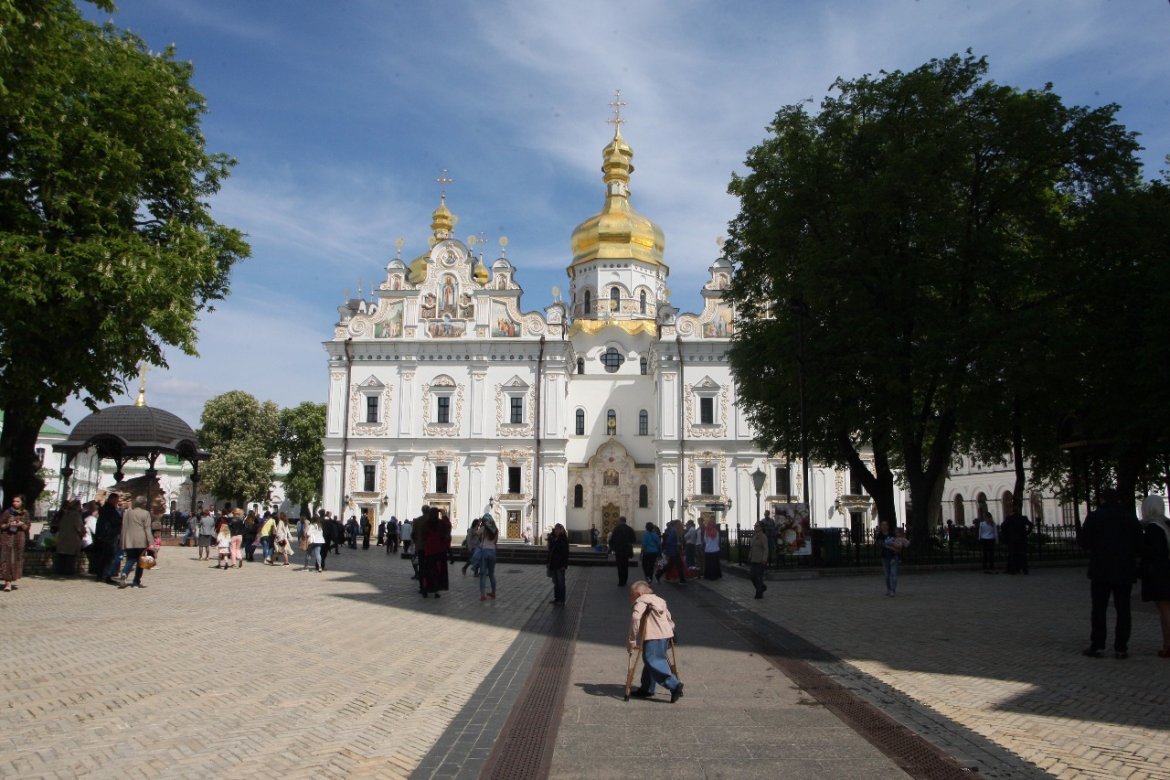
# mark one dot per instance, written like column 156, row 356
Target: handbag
column 146, row 561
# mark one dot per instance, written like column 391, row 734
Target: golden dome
column 443, row 221
column 480, row 273
column 618, row 232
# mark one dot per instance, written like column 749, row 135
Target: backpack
column 490, row 530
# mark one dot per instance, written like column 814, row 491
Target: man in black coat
column 621, row 541
column 1112, row 535
column 1014, row 533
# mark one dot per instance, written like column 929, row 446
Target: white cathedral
column 443, row 391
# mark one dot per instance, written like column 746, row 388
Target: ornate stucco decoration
column 514, row 457
column 503, row 408
column 714, row 459
column 706, row 386
column 632, row 327
column 371, row 386
column 442, row 384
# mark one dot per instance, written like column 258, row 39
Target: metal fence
column 844, row 547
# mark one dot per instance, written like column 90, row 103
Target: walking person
column 672, row 549
column 206, row 536
column 691, row 538
column 652, row 627
column 282, row 538
column 558, row 563
column 14, row 527
column 108, row 538
column 472, row 543
column 1014, row 534
column 392, row 535
column 252, row 528
column 711, row 569
column 70, row 531
column 1155, row 568
column 489, row 532
column 137, row 538
column 621, row 542
column 223, row 545
column 651, row 549
column 758, row 558
column 988, row 536
column 314, row 541
column 236, row 529
column 1112, row 535
column 891, row 545
column 267, row 534
column 436, row 543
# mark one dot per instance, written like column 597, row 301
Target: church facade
column 444, row 391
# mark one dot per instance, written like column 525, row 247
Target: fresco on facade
column 721, row 325
column 446, row 328
column 427, row 311
column 502, row 324
column 466, row 307
column 391, row 327
column 447, row 297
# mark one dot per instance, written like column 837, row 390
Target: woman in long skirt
column 14, row 525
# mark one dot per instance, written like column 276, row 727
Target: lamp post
column 758, row 479
column 670, row 504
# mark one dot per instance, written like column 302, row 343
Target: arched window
column 615, row 298
column 580, row 365
column 578, row 497
column 642, row 365
column 960, row 512
column 588, row 301
column 580, row 422
column 643, row 423
column 642, row 301
column 643, row 496
column 611, row 422
column 1007, row 503
column 612, row 360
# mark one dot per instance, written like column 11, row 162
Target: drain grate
column 524, row 748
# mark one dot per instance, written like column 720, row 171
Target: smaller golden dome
column 479, row 273
column 443, row 221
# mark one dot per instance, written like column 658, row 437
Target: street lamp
column 758, row 479
column 670, row 504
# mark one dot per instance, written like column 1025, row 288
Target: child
column 651, row 624
column 223, row 541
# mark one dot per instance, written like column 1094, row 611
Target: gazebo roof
column 128, row 432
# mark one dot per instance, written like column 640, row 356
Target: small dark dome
column 133, row 430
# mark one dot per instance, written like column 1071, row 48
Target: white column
column 406, row 419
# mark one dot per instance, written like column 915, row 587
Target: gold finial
column 503, row 246
column 398, row 242
column 471, row 242
column 482, row 241
column 141, row 400
column 443, row 181
column 617, row 106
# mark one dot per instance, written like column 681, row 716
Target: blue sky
column 342, row 115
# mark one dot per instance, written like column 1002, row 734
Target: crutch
column 633, row 662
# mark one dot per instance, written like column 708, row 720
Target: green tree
column 301, row 444
column 241, row 434
column 108, row 252
column 1113, row 357
column 891, row 238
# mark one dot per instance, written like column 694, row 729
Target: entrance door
column 513, row 531
column 609, row 518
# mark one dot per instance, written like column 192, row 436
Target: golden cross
column 443, row 181
column 617, row 105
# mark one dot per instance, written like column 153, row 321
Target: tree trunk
column 1017, row 460
column 18, row 446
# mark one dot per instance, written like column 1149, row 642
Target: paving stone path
column 278, row 672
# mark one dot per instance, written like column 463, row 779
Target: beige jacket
column 659, row 624
column 136, row 533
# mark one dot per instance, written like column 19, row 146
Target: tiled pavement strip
column 272, row 672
